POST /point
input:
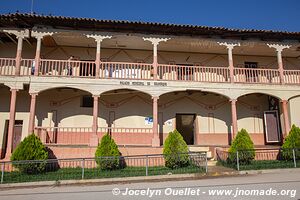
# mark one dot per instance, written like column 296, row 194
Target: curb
column 110, row 181
column 268, row 171
column 158, row 178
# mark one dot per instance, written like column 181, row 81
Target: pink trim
column 95, row 114
column 234, row 118
column 286, row 120
column 155, row 140
column 32, row 113
column 11, row 125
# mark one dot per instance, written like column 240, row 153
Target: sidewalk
column 213, row 172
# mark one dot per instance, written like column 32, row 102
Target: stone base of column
column 94, row 141
column 7, row 157
column 43, row 136
column 155, row 141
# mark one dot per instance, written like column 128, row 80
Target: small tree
column 31, row 148
column 292, row 141
column 175, row 151
column 107, row 154
column 242, row 143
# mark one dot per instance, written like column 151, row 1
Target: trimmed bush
column 107, row 154
column 175, row 151
column 31, row 148
column 242, row 143
column 292, row 141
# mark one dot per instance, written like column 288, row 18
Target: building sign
column 143, row 83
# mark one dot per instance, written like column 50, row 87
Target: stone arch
column 209, row 108
column 224, row 94
column 67, row 102
column 273, row 94
column 126, row 105
column 47, row 88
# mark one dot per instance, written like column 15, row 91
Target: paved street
column 275, row 186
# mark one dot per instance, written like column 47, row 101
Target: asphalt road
column 285, row 185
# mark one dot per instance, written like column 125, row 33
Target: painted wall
column 294, row 106
column 22, row 110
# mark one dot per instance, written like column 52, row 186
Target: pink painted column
column 233, row 118
column 37, row 55
column 98, row 58
column 94, row 138
column 155, row 63
column 279, row 48
column 287, row 126
column 11, row 125
column 155, row 139
column 32, row 113
column 19, row 55
column 230, row 62
column 280, row 65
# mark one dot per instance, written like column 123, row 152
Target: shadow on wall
column 67, row 103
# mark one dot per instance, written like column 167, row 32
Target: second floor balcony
column 145, row 71
column 134, row 57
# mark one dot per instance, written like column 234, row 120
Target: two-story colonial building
column 70, row 80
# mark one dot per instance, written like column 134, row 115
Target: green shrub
column 242, row 143
column 107, row 154
column 31, row 148
column 175, row 151
column 292, row 141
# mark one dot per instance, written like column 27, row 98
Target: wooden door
column 17, row 134
column 272, row 130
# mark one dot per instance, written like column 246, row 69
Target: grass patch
column 95, row 173
column 262, row 164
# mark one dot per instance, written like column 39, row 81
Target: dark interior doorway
column 185, row 126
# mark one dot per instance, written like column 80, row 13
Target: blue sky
column 254, row 14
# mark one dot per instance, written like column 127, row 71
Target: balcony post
column 155, row 139
column 11, row 124
column 32, row 113
column 230, row 46
column 233, row 118
column 98, row 39
column 287, row 126
column 94, row 137
column 279, row 48
column 155, row 42
column 39, row 36
column 20, row 36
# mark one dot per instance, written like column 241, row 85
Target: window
column 251, row 65
column 87, row 101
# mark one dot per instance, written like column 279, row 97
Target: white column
column 155, row 42
column 230, row 46
column 98, row 39
column 39, row 36
column 279, row 48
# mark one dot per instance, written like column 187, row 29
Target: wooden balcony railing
column 291, row 76
column 69, row 68
column 250, row 75
column 7, row 66
column 143, row 71
column 82, row 135
column 193, row 73
column 118, row 70
column 123, row 130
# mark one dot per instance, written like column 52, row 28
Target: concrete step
column 201, row 149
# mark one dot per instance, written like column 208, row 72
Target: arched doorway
column 259, row 114
column 201, row 117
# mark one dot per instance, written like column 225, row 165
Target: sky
column 283, row 15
